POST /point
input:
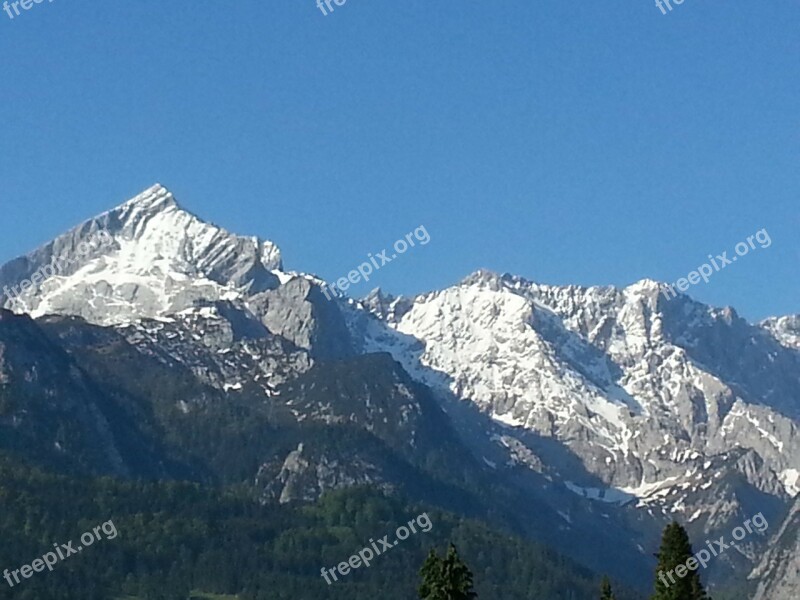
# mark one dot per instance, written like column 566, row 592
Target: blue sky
column 566, row 141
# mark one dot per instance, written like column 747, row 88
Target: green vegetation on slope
column 176, row 538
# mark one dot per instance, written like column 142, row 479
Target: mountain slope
column 678, row 408
column 778, row 572
column 608, row 371
column 175, row 537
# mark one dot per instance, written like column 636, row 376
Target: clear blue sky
column 566, row 141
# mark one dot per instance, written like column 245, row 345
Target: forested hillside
column 178, row 538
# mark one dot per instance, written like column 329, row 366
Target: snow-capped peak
column 147, row 257
column 150, row 199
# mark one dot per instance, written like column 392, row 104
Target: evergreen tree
column 446, row 578
column 675, row 550
column 432, row 586
column 605, row 589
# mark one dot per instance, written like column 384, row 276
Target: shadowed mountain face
column 567, row 412
column 778, row 572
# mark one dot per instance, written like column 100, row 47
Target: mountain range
column 585, row 418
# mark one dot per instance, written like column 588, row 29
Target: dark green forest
column 177, row 539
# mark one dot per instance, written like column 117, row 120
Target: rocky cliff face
column 680, row 409
column 641, row 385
column 778, row 572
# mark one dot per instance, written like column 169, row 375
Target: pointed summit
column 152, row 198
column 148, row 257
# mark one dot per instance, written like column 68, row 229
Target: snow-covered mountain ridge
column 621, row 377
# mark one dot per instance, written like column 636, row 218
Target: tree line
column 449, row 578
